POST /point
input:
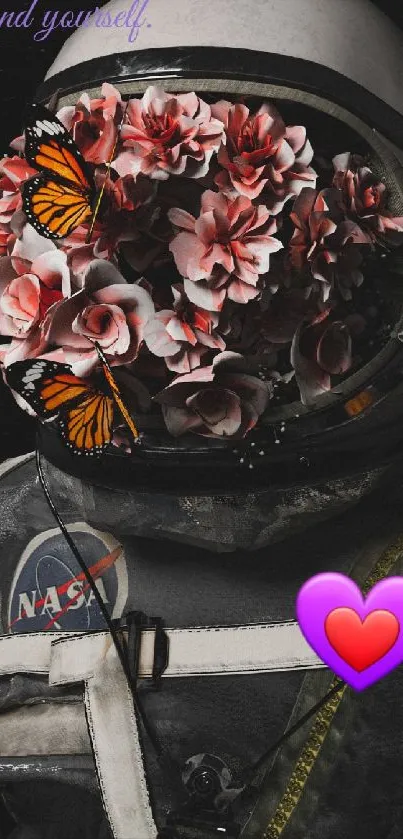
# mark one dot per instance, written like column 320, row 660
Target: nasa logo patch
column 50, row 592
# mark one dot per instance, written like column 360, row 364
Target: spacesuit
column 75, row 760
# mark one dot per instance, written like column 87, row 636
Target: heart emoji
column 358, row 638
column 361, row 643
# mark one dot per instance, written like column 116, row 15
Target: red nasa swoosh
column 96, row 571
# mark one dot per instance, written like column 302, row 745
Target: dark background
column 23, row 64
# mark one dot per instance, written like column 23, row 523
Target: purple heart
column 323, row 594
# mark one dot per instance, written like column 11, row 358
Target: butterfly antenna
column 108, row 169
column 160, row 753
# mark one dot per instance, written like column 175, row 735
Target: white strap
column 111, row 721
column 257, row 648
column 113, row 729
column 91, row 658
column 27, row 653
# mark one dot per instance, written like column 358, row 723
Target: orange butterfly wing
column 115, row 391
column 54, row 209
column 84, row 415
column 87, row 428
column 118, row 399
column 57, row 159
column 60, row 198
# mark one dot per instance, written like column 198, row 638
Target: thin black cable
column 254, row 769
column 161, row 754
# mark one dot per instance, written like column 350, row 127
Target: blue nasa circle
column 47, row 594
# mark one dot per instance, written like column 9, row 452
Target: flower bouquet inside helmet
column 242, row 277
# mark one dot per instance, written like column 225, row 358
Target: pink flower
column 328, row 247
column 364, row 200
column 29, row 247
column 20, row 305
column 216, row 401
column 168, row 135
column 5, row 237
column 27, row 291
column 182, row 335
column 107, row 310
column 225, row 251
column 126, row 203
column 261, row 155
column 129, row 194
column 93, row 123
column 318, row 351
column 80, row 254
column 13, row 171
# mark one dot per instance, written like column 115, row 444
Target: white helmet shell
column 350, row 37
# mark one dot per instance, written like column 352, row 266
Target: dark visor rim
column 158, row 64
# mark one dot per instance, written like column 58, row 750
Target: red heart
column 361, row 643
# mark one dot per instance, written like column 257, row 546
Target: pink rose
column 217, row 401
column 262, row 156
column 182, row 335
column 168, row 135
column 13, row 172
column 94, row 123
column 20, row 306
column 224, row 252
column 5, row 238
column 29, row 247
column 26, row 297
column 107, row 310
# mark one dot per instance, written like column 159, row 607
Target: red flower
column 225, row 251
column 182, row 335
column 217, row 401
column 168, row 135
column 261, row 156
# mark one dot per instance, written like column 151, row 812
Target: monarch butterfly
column 83, row 413
column 60, row 198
